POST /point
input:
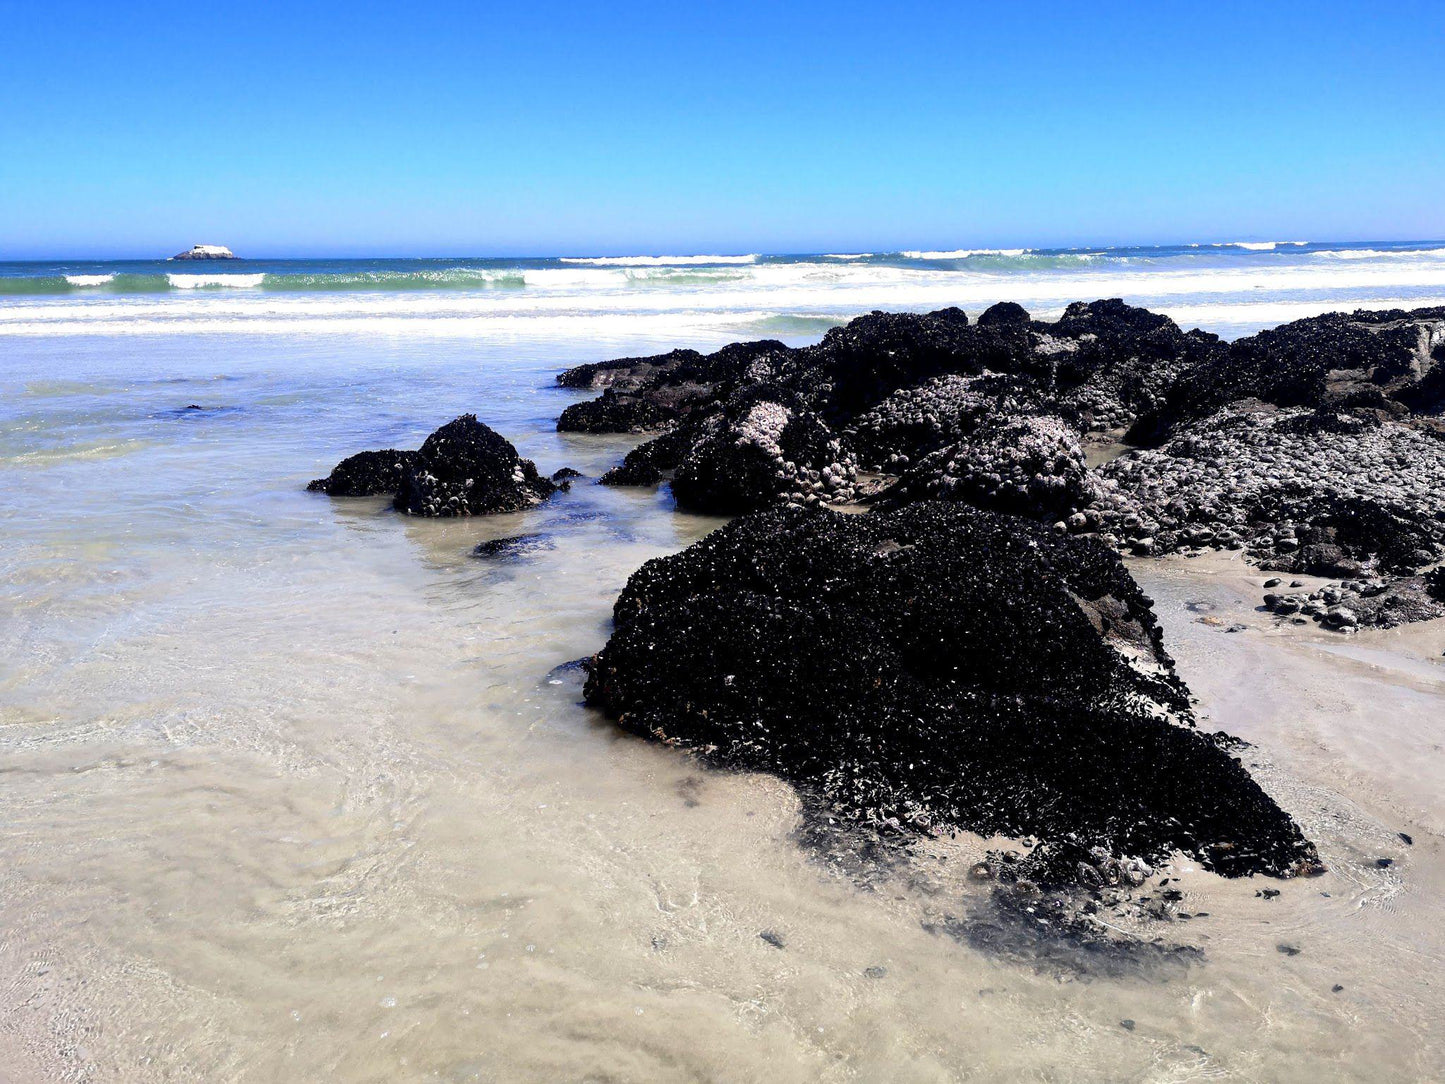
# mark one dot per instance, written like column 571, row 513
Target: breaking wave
column 962, row 253
column 655, row 261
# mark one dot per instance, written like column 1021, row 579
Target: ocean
column 1231, row 287
column 296, row 788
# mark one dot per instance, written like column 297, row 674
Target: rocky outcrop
column 366, row 474
column 1335, row 493
column 205, row 252
column 879, row 391
column 466, row 468
column 1029, row 466
column 1315, row 447
column 1374, row 359
column 463, row 469
column 932, row 667
column 639, row 394
column 756, row 453
column 938, row 413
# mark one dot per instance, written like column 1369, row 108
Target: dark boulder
column 1004, row 312
column 614, row 412
column 1026, row 466
column 935, row 414
column 639, row 394
column 1335, row 360
column 623, row 372
column 757, row 453
column 936, row 666
column 366, row 474
column 514, row 547
column 650, row 461
column 466, row 468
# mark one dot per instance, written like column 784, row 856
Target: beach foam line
column 203, row 282
column 1379, row 253
column 1259, row 246
column 961, row 253
column 655, row 261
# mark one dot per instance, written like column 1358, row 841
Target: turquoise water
column 1226, row 287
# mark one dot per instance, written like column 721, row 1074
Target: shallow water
column 292, row 790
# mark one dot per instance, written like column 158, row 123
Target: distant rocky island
column 206, row 252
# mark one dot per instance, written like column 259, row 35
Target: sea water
column 294, row 788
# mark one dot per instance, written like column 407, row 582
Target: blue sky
column 548, row 128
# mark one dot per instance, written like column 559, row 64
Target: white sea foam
column 199, row 282
column 960, row 253
column 847, row 255
column 88, row 280
column 1259, row 246
column 656, row 261
column 1380, row 253
column 1236, row 289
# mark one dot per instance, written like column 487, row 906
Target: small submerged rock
column 514, row 546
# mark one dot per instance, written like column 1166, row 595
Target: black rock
column 882, row 386
column 774, row 939
column 466, row 469
column 1004, row 312
column 1031, row 466
column 366, row 474
column 647, row 464
column 515, row 546
column 936, row 666
column 1339, row 359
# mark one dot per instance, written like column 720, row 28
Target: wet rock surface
column 1314, row 448
column 465, row 468
column 514, row 547
column 934, row 667
column 1324, row 492
column 366, row 474
column 1032, row 466
column 1387, row 359
column 880, row 391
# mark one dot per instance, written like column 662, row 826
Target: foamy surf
column 961, row 253
column 1216, row 286
column 203, row 282
column 656, row 261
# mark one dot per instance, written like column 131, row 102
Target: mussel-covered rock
column 1381, row 359
column 466, row 468
column 366, row 474
column 463, row 469
column 1029, row 466
column 936, row 666
column 1336, row 493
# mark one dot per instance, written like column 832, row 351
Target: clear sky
column 439, row 128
